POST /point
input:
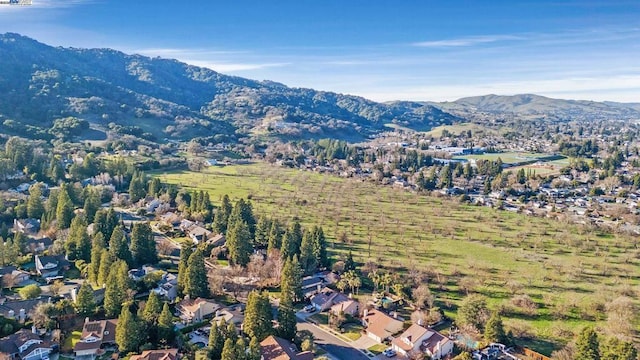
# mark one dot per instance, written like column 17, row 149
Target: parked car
column 309, row 308
column 389, row 352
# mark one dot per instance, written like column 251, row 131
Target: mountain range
column 169, row 99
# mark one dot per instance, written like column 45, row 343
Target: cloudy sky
column 382, row 49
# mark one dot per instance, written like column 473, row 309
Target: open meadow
column 565, row 273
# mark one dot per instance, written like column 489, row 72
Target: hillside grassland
column 569, row 271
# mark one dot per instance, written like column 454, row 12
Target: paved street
column 332, row 344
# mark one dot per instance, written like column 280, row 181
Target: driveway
column 337, row 348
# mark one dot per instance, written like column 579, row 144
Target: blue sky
column 380, row 49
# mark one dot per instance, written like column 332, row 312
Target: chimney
column 365, row 313
column 23, row 315
column 86, row 320
column 395, row 314
column 74, row 294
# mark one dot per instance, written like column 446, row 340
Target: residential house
column 136, row 274
column 170, row 219
column 196, row 310
column 217, row 240
column 380, row 326
column 165, row 354
column 275, row 348
column 24, row 345
column 38, row 246
column 311, row 285
column 198, row 234
column 51, row 266
column 11, row 276
column 167, row 287
column 20, row 310
column 335, row 301
column 232, row 314
column 27, row 226
column 417, row 339
column 96, row 335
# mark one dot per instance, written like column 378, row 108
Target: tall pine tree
column 197, row 284
column 258, row 316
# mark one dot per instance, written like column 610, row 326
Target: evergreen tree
column 137, row 187
column 258, row 315
column 254, row 352
column 155, row 186
column 97, row 246
column 494, row 330
column 78, row 244
column 222, row 214
column 216, row 341
column 616, row 349
column 349, row 264
column 320, row 247
column 291, row 280
column 165, row 325
column 143, row 245
column 239, row 243
column 185, row 253
column 115, row 293
column 229, row 350
column 19, row 244
column 106, row 260
column 241, row 349
column 262, row 233
column 152, row 308
column 111, row 222
column 231, row 332
column 127, row 337
column 275, row 236
column 85, row 302
column 91, row 205
column 35, row 205
column 308, row 261
column 64, row 208
column 587, row 345
column 446, row 177
column 286, row 320
column 197, row 284
column 118, row 245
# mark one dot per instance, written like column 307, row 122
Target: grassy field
column 464, row 127
column 566, row 270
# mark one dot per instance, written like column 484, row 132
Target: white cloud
column 467, row 41
column 232, row 67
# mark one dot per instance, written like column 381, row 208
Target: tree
column 287, row 324
column 118, row 245
column 185, row 253
column 97, row 246
column 308, row 261
column 221, row 218
column 85, row 301
column 349, row 264
column 320, row 247
column 446, row 177
column 78, row 244
column 616, row 349
column 291, row 280
column 91, row 205
column 473, row 312
column 275, row 237
column 64, row 208
column 137, row 187
column 422, row 296
column 43, row 316
column 152, row 308
column 197, row 284
column 115, row 293
column 254, row 352
column 126, row 332
column 239, row 243
column 35, row 206
column 494, row 330
column 106, row 260
column 30, row 292
column 216, row 341
column 262, row 232
column 229, row 350
column 292, row 240
column 258, row 315
column 587, row 345
column 143, row 245
column 165, row 325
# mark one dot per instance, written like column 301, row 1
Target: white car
column 309, row 308
column 389, row 352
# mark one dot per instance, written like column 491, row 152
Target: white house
column 419, row 339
